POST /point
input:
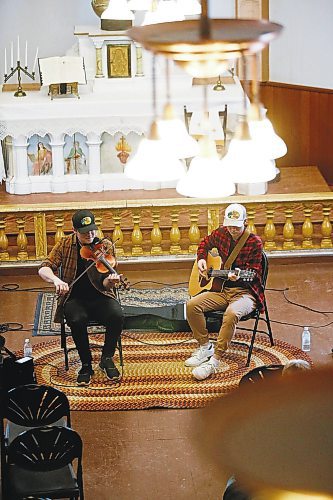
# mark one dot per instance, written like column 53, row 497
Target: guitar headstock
column 247, row 274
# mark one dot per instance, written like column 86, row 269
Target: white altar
column 71, row 144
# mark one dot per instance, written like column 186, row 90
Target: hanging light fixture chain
column 205, row 109
column 167, row 74
column 204, row 20
column 154, row 86
column 245, row 85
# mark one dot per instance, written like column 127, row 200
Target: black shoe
column 109, row 368
column 84, row 375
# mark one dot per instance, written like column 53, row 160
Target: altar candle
column 5, row 61
column 18, row 47
column 35, row 62
column 11, row 55
column 26, row 54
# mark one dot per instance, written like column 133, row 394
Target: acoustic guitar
column 216, row 277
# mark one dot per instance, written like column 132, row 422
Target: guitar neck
column 219, row 273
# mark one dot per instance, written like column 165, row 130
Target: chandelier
column 204, row 48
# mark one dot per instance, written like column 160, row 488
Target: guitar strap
column 241, row 242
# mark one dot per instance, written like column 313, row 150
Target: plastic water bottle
column 306, row 339
column 27, row 349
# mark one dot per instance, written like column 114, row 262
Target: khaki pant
column 236, row 302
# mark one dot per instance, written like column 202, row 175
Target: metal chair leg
column 254, row 333
column 63, row 343
column 120, row 349
column 268, row 323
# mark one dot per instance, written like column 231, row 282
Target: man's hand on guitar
column 234, row 275
column 202, row 266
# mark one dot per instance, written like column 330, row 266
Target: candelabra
column 19, row 92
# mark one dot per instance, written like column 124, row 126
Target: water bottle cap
column 27, row 340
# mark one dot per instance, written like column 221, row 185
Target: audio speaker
column 15, row 372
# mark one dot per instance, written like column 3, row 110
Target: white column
column 98, row 44
column 21, row 183
column 139, row 60
column 95, row 181
column 58, row 183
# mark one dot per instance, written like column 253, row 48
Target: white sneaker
column 206, row 369
column 200, row 355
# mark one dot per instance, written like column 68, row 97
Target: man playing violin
column 91, row 297
column 238, row 250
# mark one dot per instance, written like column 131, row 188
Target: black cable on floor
column 284, row 290
column 300, row 326
column 15, row 287
column 11, row 327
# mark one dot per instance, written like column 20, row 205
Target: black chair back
column 29, row 406
column 45, row 448
column 261, row 373
column 45, row 462
column 35, row 405
column 264, row 266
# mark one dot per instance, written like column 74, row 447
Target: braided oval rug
column 154, row 375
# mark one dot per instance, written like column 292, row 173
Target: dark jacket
column 63, row 257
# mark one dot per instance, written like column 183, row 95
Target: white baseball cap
column 234, row 215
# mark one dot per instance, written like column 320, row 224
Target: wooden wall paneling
column 302, row 117
column 322, row 133
column 317, row 104
column 285, row 122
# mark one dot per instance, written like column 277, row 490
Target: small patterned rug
column 154, row 374
column 160, row 309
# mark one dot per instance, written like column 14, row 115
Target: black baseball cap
column 84, row 221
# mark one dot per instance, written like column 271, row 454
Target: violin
column 102, row 255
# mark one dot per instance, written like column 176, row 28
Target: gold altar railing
column 168, row 229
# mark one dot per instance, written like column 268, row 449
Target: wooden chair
column 44, row 462
column 255, row 315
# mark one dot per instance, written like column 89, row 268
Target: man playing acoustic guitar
column 236, row 290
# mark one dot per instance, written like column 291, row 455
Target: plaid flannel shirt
column 64, row 256
column 249, row 257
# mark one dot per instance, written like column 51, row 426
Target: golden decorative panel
column 119, row 60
